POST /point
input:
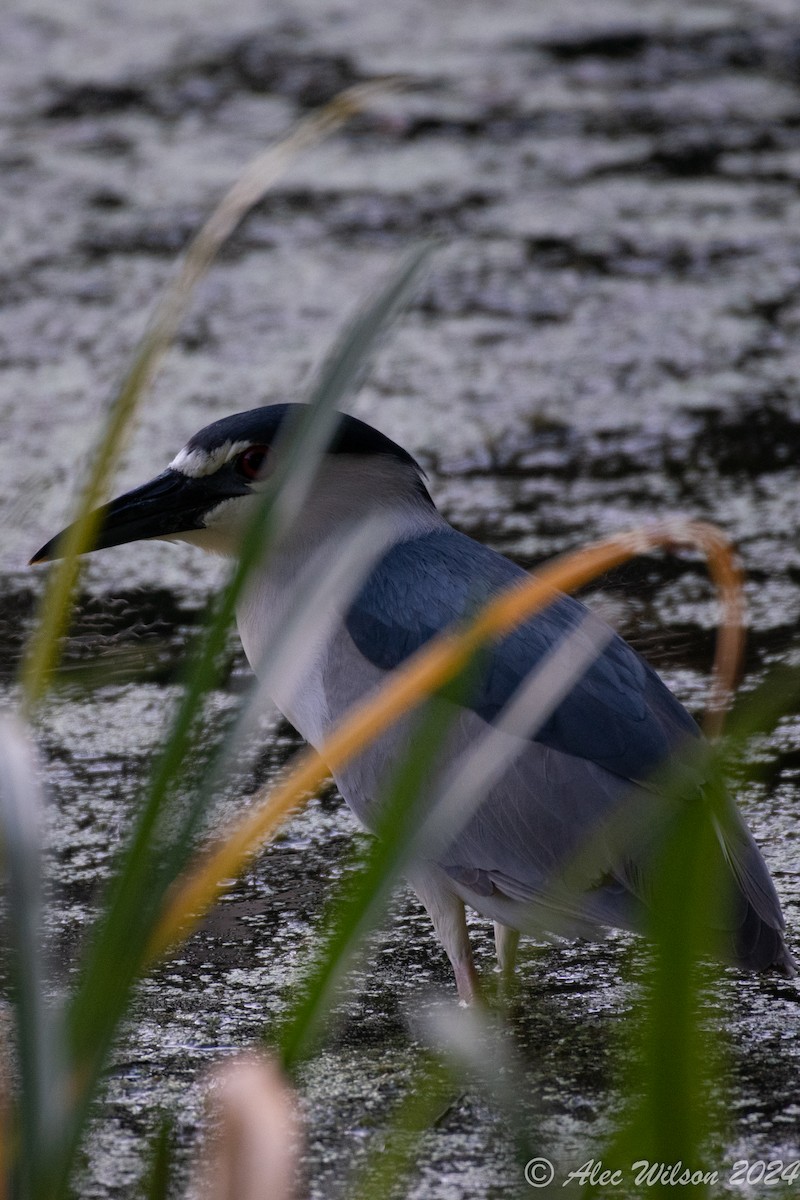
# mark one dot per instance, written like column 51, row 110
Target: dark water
column 609, row 334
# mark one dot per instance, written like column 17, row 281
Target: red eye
column 250, row 462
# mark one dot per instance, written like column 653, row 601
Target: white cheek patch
column 225, row 515
column 196, row 462
column 222, row 529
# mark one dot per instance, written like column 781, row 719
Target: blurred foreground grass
column 62, row 1042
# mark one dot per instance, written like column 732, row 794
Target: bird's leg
column 446, row 911
column 506, row 941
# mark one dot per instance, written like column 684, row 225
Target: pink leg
column 506, row 941
column 446, row 911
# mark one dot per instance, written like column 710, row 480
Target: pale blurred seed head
column 253, row 1147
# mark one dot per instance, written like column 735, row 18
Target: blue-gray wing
column 619, row 715
column 617, row 725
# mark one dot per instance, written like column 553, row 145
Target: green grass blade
column 361, row 904
column 420, row 818
column 675, row 1052
column 159, row 1175
column 41, row 1052
column 308, row 439
column 673, row 1057
column 297, row 460
column 116, row 954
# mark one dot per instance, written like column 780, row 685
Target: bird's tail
column 756, row 925
column 744, row 912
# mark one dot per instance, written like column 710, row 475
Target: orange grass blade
column 432, row 667
column 258, row 176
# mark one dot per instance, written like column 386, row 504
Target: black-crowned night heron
column 595, row 752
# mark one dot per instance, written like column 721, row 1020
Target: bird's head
column 207, row 493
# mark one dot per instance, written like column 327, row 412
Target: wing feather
column 619, row 715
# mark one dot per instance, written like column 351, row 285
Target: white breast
column 320, row 671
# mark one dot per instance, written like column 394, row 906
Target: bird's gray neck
column 348, row 491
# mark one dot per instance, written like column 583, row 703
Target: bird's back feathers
column 619, row 715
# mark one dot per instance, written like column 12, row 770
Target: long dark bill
column 170, row 503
